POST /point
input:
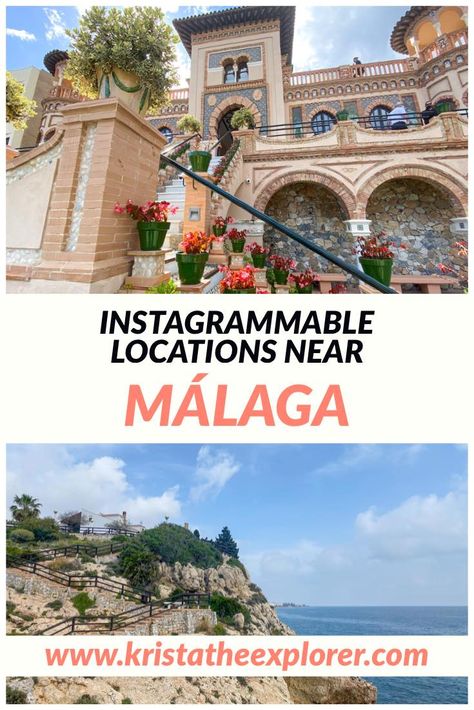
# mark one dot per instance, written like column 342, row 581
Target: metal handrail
column 324, row 253
column 372, row 120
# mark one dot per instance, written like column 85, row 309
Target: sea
column 390, row 621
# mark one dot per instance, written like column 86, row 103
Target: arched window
column 229, row 73
column 167, row 132
column 242, row 71
column 378, row 117
column 322, row 122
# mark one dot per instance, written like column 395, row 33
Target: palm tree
column 25, row 507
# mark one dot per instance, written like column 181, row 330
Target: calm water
column 390, row 621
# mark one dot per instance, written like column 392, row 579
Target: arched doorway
column 316, row 212
column 224, row 127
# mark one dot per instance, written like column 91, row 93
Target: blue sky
column 316, row 524
column 324, row 36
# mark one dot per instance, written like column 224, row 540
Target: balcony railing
column 443, row 44
column 179, row 94
column 352, row 71
column 317, row 127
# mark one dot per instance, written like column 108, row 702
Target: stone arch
column 275, row 183
column 380, row 101
column 234, row 101
column 436, row 177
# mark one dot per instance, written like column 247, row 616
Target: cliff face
column 230, row 581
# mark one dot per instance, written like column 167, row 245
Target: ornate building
column 321, row 175
column 61, row 94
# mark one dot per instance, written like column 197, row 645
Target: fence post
column 73, row 624
column 111, row 623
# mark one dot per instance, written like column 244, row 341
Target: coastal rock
column 340, row 691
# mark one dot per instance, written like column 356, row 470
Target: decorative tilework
column 84, row 172
column 23, row 257
column 254, row 54
column 34, row 165
column 236, row 91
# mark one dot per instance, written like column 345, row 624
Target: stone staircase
column 174, row 194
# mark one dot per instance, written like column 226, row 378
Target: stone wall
column 314, row 212
column 176, row 621
column 418, row 214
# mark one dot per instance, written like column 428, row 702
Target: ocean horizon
column 389, row 621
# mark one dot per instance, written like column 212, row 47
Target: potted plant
column 304, row 281
column 444, row 106
column 238, row 280
column 237, row 239
column 281, row 268
column 342, row 115
column 242, row 119
column 199, row 158
column 127, row 53
column 258, row 254
column 219, row 225
column 192, row 257
column 376, row 256
column 152, row 221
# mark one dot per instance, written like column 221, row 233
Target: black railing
column 318, row 126
column 114, row 622
column 76, row 581
column 315, row 248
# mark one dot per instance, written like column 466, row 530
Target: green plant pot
column 200, row 160
column 380, row 269
column 237, row 245
column 191, row 267
column 259, row 260
column 444, row 107
column 240, row 290
column 152, row 235
column 304, row 289
column 219, row 231
column 342, row 116
column 281, row 276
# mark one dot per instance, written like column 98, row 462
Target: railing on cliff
column 282, row 228
column 114, row 622
column 51, row 553
column 77, row 581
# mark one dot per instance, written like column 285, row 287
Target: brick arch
column 434, row 176
column 379, row 102
column 274, row 184
column 235, row 101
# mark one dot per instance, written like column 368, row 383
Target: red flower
column 196, row 242
column 237, row 279
column 256, row 248
column 306, row 278
column 151, row 211
column 235, row 234
column 282, row 263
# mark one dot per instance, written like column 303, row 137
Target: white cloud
column 100, row 485
column 214, row 468
column 353, row 458
column 21, row 34
column 55, row 26
column 419, row 527
column 412, row 554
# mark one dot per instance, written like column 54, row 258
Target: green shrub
column 82, row 602
column 126, row 701
column 61, row 565
column 227, row 607
column 44, row 529
column 15, row 696
column 55, row 605
column 170, row 543
column 219, row 630
column 10, row 609
column 15, row 551
column 189, row 124
column 21, row 535
column 86, row 699
column 163, row 288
